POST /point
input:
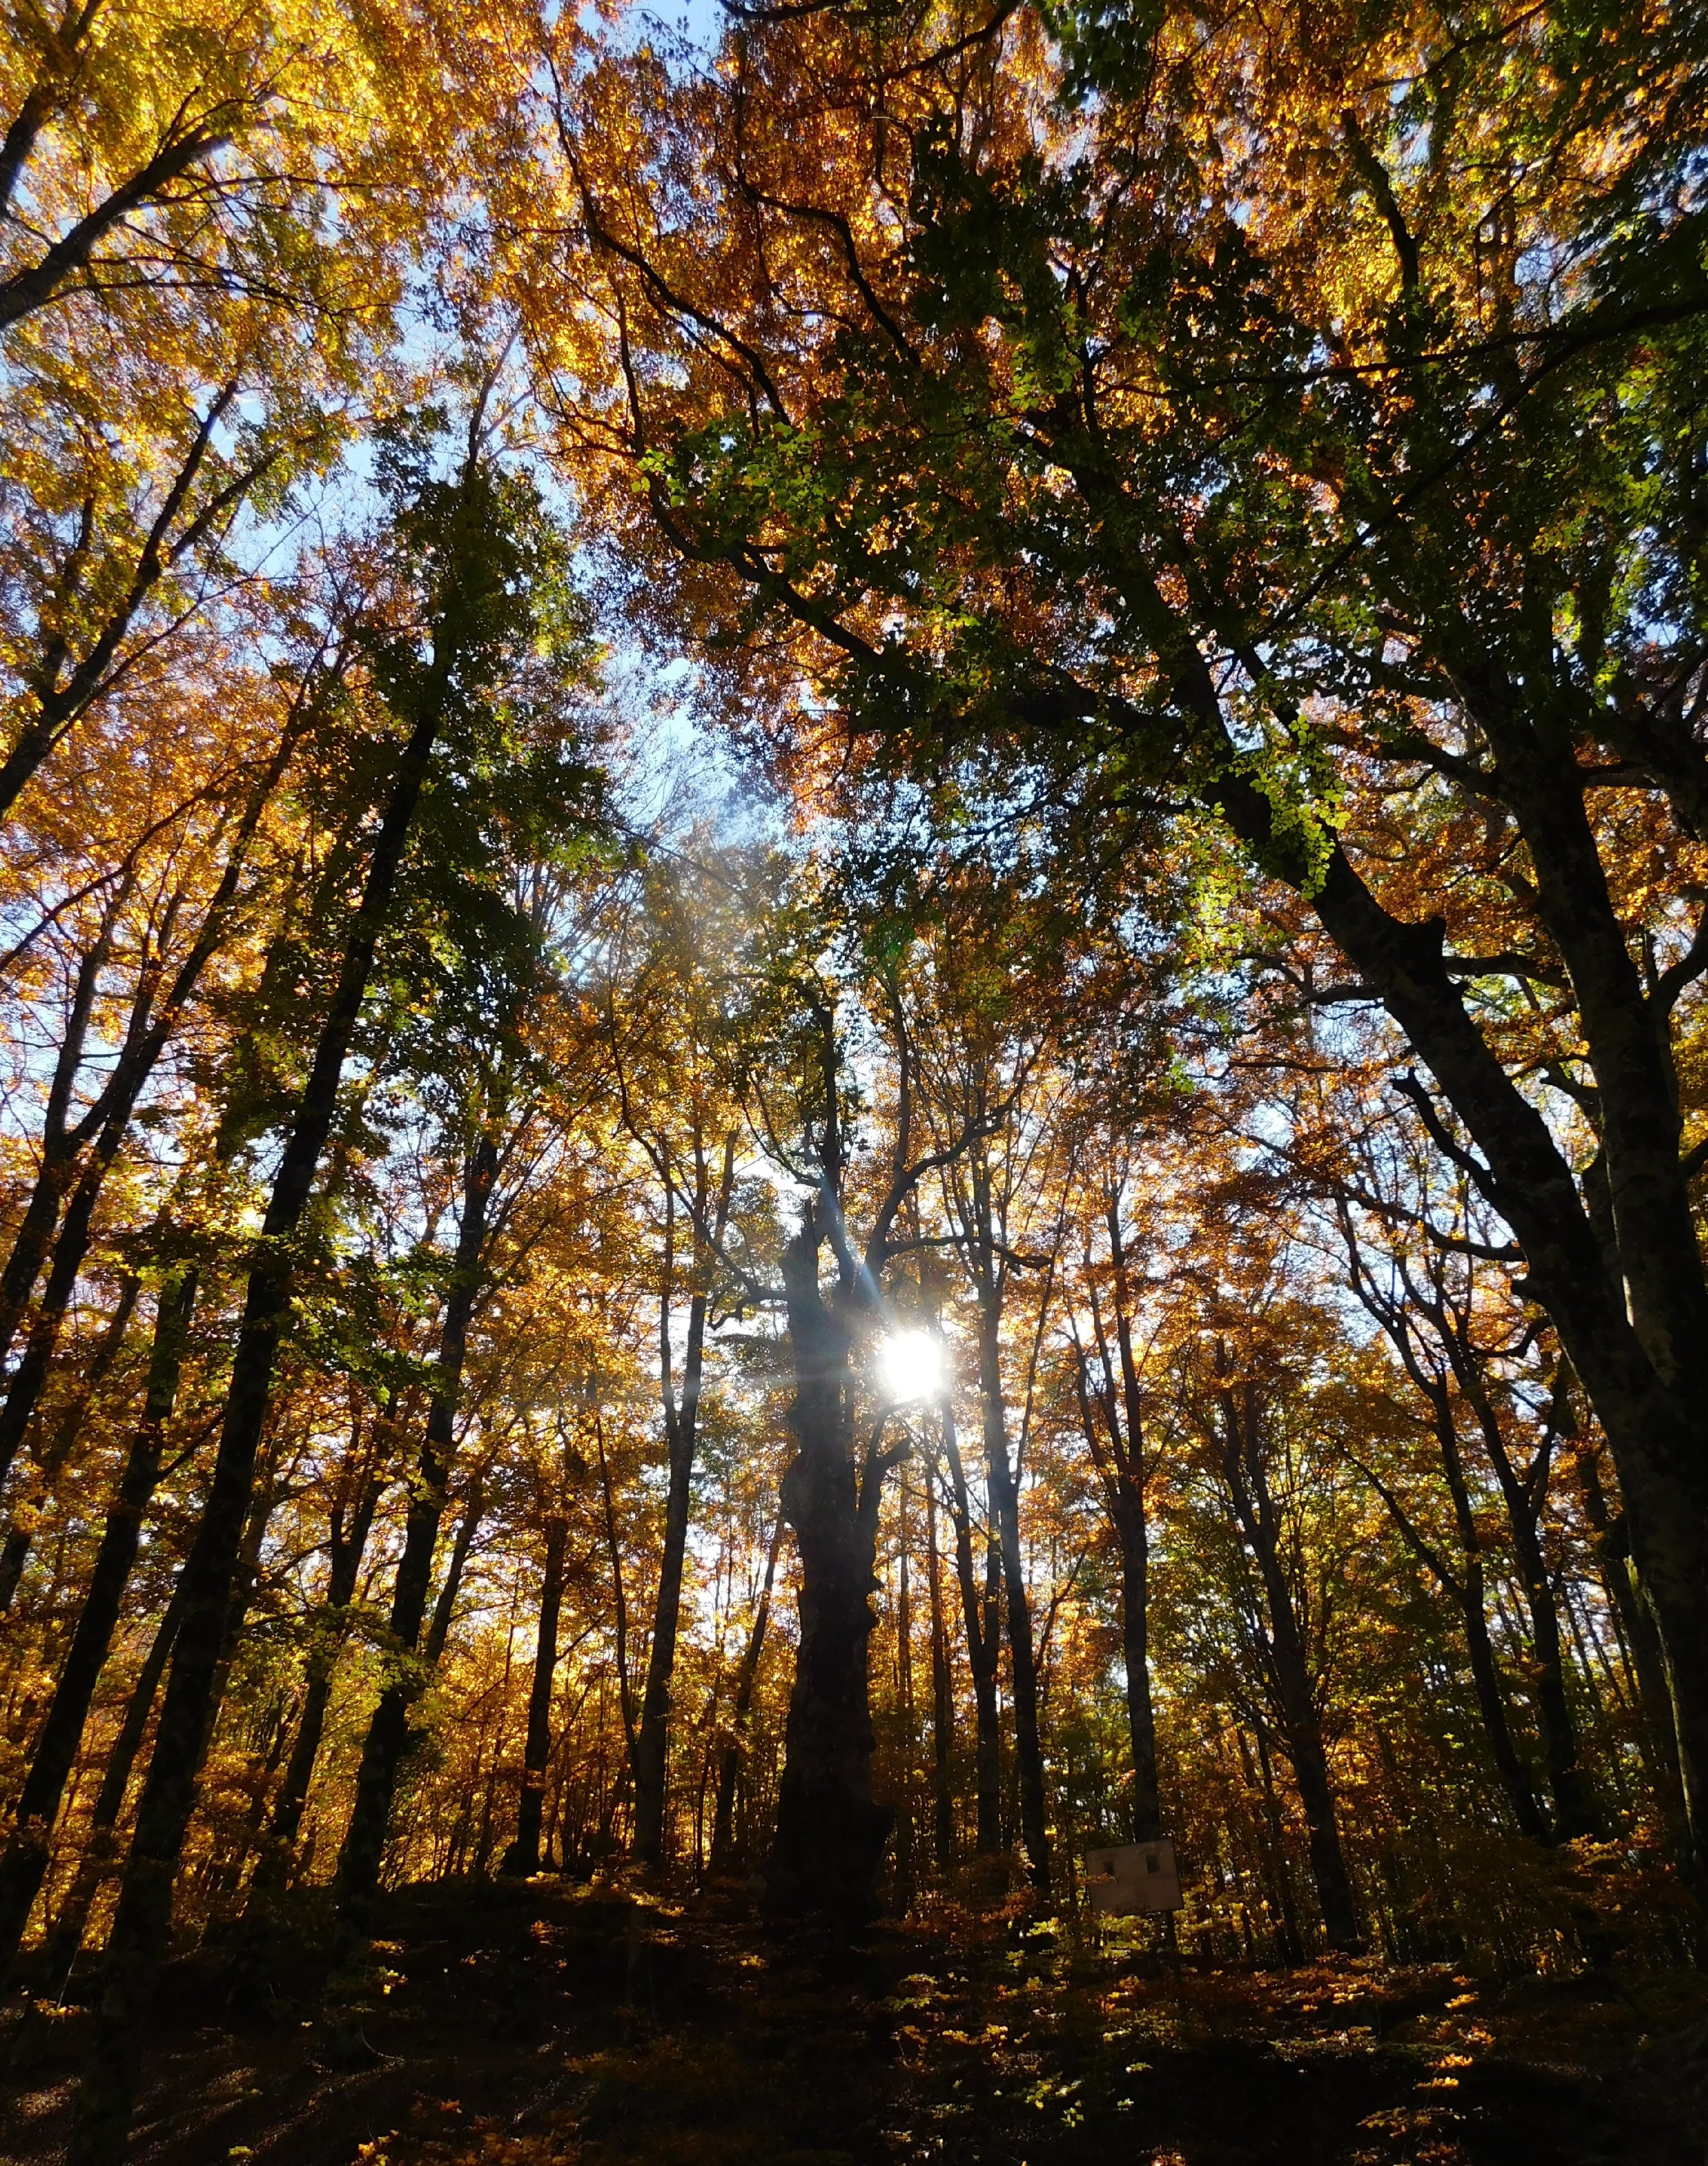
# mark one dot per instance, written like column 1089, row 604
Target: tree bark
column 830, row 1832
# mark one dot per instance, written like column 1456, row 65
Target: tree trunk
column 1515, row 1775
column 445, row 1608
column 942, row 1698
column 67, row 1429
column 1656, row 1737
column 25, row 1859
column 56, row 1168
column 1290, row 1669
column 388, row 1730
column 1005, row 1503
column 722, row 1857
column 979, row 1622
column 1574, row 1811
column 906, row 1876
column 100, row 1855
column 1118, row 1451
column 346, row 1545
column 830, row 1833
column 681, row 1426
column 523, row 1856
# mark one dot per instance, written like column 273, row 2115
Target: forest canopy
column 852, row 914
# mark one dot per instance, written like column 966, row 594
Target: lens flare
column 910, row 1364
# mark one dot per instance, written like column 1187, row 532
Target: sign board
column 1132, row 1879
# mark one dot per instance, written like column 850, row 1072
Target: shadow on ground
column 516, row 2024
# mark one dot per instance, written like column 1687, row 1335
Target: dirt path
column 515, row 2026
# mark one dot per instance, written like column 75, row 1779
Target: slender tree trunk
column 681, row 1424
column 523, row 1856
column 388, row 1730
column 1133, row 1537
column 905, row 1877
column 942, row 1697
column 1028, row 1752
column 1262, row 1779
column 1466, row 1587
column 69, row 1251
column 978, row 1621
column 25, row 1861
column 1657, row 1737
column 1516, row 1779
column 60, row 1144
column 1290, row 1670
column 99, row 1856
column 1574, row 1810
column 445, row 1608
column 60, row 1444
column 1133, row 1534
column 722, row 1857
column 143, row 1922
column 348, row 1540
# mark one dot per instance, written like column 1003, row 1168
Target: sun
column 910, row 1364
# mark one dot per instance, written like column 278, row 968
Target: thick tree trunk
column 388, row 1731
column 523, row 1856
column 830, row 1833
column 25, row 1861
column 143, row 1922
column 723, row 1851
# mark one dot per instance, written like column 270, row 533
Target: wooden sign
column 1132, row 1878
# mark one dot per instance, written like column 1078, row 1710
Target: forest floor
column 514, row 2024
